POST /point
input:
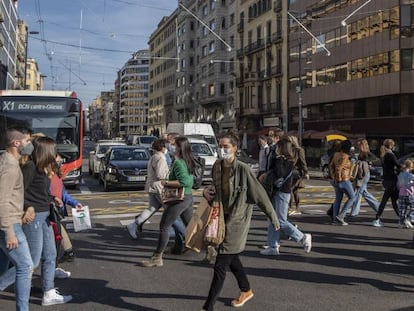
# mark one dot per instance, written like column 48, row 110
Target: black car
column 124, row 166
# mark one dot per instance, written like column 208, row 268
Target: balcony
column 240, row 53
column 277, row 5
column 254, row 46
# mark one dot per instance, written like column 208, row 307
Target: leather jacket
column 340, row 167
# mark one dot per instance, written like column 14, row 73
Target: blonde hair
column 408, row 165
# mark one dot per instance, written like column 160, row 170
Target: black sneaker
column 68, row 256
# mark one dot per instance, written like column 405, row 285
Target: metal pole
column 299, row 91
column 25, row 59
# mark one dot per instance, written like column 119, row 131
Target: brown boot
column 243, row 298
column 154, row 261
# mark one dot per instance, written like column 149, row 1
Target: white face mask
column 226, row 153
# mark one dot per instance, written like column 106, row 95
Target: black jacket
column 36, row 188
column 282, row 168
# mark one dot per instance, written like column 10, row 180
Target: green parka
column 245, row 191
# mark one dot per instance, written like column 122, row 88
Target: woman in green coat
column 238, row 190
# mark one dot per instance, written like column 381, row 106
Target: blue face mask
column 27, row 150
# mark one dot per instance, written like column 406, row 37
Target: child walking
column 405, row 186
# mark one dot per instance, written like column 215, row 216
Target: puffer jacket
column 340, row 167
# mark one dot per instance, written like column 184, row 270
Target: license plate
column 136, row 178
column 207, row 173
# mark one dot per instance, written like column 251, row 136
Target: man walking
column 13, row 244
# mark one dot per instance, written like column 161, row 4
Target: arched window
column 259, row 7
column 250, row 13
column 254, row 10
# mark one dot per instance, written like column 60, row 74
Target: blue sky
column 74, row 57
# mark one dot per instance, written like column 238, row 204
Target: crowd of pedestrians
column 31, row 184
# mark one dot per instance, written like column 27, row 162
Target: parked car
column 375, row 166
column 244, row 157
column 124, row 166
column 141, row 140
column 201, row 148
column 95, row 155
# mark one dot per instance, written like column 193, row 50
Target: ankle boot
column 154, row 261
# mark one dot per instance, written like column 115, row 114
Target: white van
column 202, row 131
column 202, row 149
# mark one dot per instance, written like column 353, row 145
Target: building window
column 205, row 10
column 204, row 50
column 232, row 19
column 211, row 47
column 212, row 5
column 407, row 56
column 213, row 24
column 211, row 90
column 222, row 89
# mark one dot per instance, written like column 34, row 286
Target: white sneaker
column 307, row 242
column 270, row 251
column 408, row 224
column 132, row 230
column 61, row 274
column 53, row 297
column 377, row 223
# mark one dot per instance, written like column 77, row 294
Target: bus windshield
column 60, row 122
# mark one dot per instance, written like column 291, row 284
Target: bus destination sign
column 26, row 106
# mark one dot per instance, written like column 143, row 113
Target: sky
column 82, row 44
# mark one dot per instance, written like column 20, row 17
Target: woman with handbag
column 237, row 190
column 180, row 181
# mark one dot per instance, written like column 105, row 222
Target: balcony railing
column 277, row 5
column 277, row 36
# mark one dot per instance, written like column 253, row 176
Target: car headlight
column 74, row 173
column 112, row 170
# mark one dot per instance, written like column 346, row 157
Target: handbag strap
column 218, row 179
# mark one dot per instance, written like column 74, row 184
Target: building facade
column 366, row 85
column 133, row 110
column 162, row 77
column 8, row 40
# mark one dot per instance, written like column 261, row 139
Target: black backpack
column 199, row 165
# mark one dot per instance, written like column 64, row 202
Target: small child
column 405, row 186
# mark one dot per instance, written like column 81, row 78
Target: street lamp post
column 25, row 56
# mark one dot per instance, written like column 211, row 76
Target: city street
column 355, row 267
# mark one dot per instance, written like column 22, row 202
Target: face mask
column 226, row 153
column 27, row 150
column 172, row 149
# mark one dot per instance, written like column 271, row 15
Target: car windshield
column 201, row 149
column 147, row 140
column 129, row 154
column 103, row 149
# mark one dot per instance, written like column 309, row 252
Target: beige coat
column 157, row 170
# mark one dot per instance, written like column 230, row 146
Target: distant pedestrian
column 390, row 168
column 264, row 152
column 405, row 185
column 361, row 182
column 239, row 190
column 341, row 168
column 13, row 242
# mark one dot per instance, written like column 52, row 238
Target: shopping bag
column 195, row 230
column 215, row 230
column 81, row 219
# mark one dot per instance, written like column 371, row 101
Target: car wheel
column 325, row 171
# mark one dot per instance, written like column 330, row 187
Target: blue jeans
column 21, row 272
column 362, row 192
column 42, row 246
column 345, row 187
column 280, row 201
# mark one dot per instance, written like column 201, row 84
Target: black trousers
column 220, row 268
column 391, row 191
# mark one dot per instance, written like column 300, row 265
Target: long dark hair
column 44, row 155
column 183, row 151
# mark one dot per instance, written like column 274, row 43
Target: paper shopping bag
column 81, row 219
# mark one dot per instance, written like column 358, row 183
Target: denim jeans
column 21, row 272
column 178, row 228
column 184, row 210
column 345, row 187
column 41, row 240
column 280, row 201
column 363, row 192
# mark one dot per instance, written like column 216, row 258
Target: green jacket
column 245, row 191
column 179, row 171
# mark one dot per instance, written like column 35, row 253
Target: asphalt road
column 357, row 267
